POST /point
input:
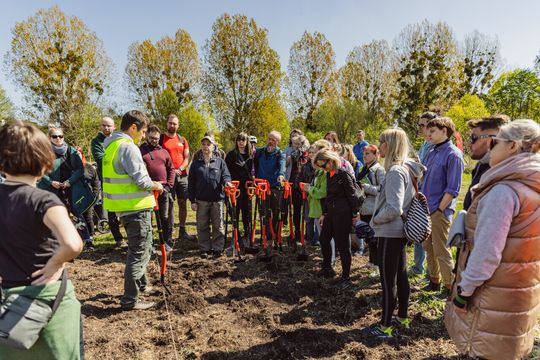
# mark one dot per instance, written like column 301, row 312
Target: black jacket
column 240, row 166
column 477, row 173
column 206, row 182
column 340, row 194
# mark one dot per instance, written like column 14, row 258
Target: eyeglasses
column 475, row 138
column 323, row 166
column 57, row 136
column 496, row 140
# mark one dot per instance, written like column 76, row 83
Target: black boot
column 183, row 235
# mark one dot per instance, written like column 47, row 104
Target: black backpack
column 359, row 193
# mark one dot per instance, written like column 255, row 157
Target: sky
column 346, row 23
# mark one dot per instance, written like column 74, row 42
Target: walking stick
column 283, row 211
column 162, row 248
column 251, row 191
column 262, row 189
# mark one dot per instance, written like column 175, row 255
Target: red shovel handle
column 156, row 195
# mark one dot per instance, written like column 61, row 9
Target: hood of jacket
column 114, row 136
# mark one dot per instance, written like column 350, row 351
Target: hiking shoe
column 121, row 244
column 168, row 247
column 357, row 253
column 326, row 273
column 444, row 294
column 343, row 284
column 139, row 305
column 148, row 290
column 183, row 235
column 217, row 254
column 377, row 332
column 432, row 287
column 204, row 254
column 402, row 323
column 89, row 245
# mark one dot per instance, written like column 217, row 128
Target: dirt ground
column 251, row 310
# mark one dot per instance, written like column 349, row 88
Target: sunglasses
column 323, row 166
column 57, row 136
column 475, row 138
column 495, row 141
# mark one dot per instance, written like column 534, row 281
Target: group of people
column 492, row 291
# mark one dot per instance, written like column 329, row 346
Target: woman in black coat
column 240, row 164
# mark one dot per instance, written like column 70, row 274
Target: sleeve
column 46, row 180
column 225, row 174
column 192, row 178
column 97, row 150
column 495, row 212
column 373, row 189
column 256, row 160
column 394, row 191
column 350, row 191
column 454, row 173
column 134, row 166
column 46, row 200
column 281, row 161
column 77, row 166
column 171, row 174
column 318, row 190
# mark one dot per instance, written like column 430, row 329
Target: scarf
column 60, row 150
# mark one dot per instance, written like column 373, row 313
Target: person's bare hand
column 158, row 187
column 321, row 220
column 194, row 206
column 49, row 274
column 56, row 184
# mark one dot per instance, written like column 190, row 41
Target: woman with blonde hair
column 496, row 294
column 339, row 212
column 391, row 204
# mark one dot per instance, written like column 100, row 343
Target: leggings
column 392, row 261
column 337, row 225
column 243, row 205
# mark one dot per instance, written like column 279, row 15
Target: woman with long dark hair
column 241, row 166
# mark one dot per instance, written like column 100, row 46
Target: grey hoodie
column 129, row 161
column 394, row 200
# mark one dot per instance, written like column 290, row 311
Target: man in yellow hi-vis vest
column 127, row 190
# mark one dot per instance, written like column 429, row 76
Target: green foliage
column 171, row 63
column 429, row 71
column 193, row 124
column 6, row 107
column 467, row 108
column 517, row 94
column 166, row 103
column 240, row 72
column 59, row 63
column 346, row 117
column 87, row 122
column 310, row 75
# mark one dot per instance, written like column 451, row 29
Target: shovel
column 162, row 248
column 232, row 194
column 262, row 189
column 251, row 191
column 303, row 256
column 287, row 191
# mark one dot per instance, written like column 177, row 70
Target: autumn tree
column 240, row 71
column 428, row 73
column 60, row 65
column 467, row 108
column 310, row 75
column 172, row 63
column 517, row 94
column 481, row 62
column 6, row 107
column 369, row 77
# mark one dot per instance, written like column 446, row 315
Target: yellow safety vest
column 120, row 193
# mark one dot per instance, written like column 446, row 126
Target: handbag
column 22, row 318
column 417, row 222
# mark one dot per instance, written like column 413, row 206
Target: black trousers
column 337, row 224
column 297, row 208
column 243, row 206
column 392, row 259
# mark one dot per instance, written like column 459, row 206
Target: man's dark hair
column 24, row 150
column 153, row 128
column 490, row 122
column 443, row 123
column 428, row 115
column 134, row 117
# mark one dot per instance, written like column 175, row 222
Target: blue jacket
column 206, row 182
column 269, row 165
column 358, row 150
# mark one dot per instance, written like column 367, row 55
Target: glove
column 459, row 300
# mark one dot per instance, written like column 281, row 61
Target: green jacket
column 317, row 192
column 75, row 163
column 98, row 151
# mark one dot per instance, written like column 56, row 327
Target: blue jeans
column 419, row 259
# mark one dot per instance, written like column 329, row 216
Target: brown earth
column 220, row 309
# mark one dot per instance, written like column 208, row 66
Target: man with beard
column 482, row 131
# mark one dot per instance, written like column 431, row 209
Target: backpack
column 417, row 222
column 359, row 193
